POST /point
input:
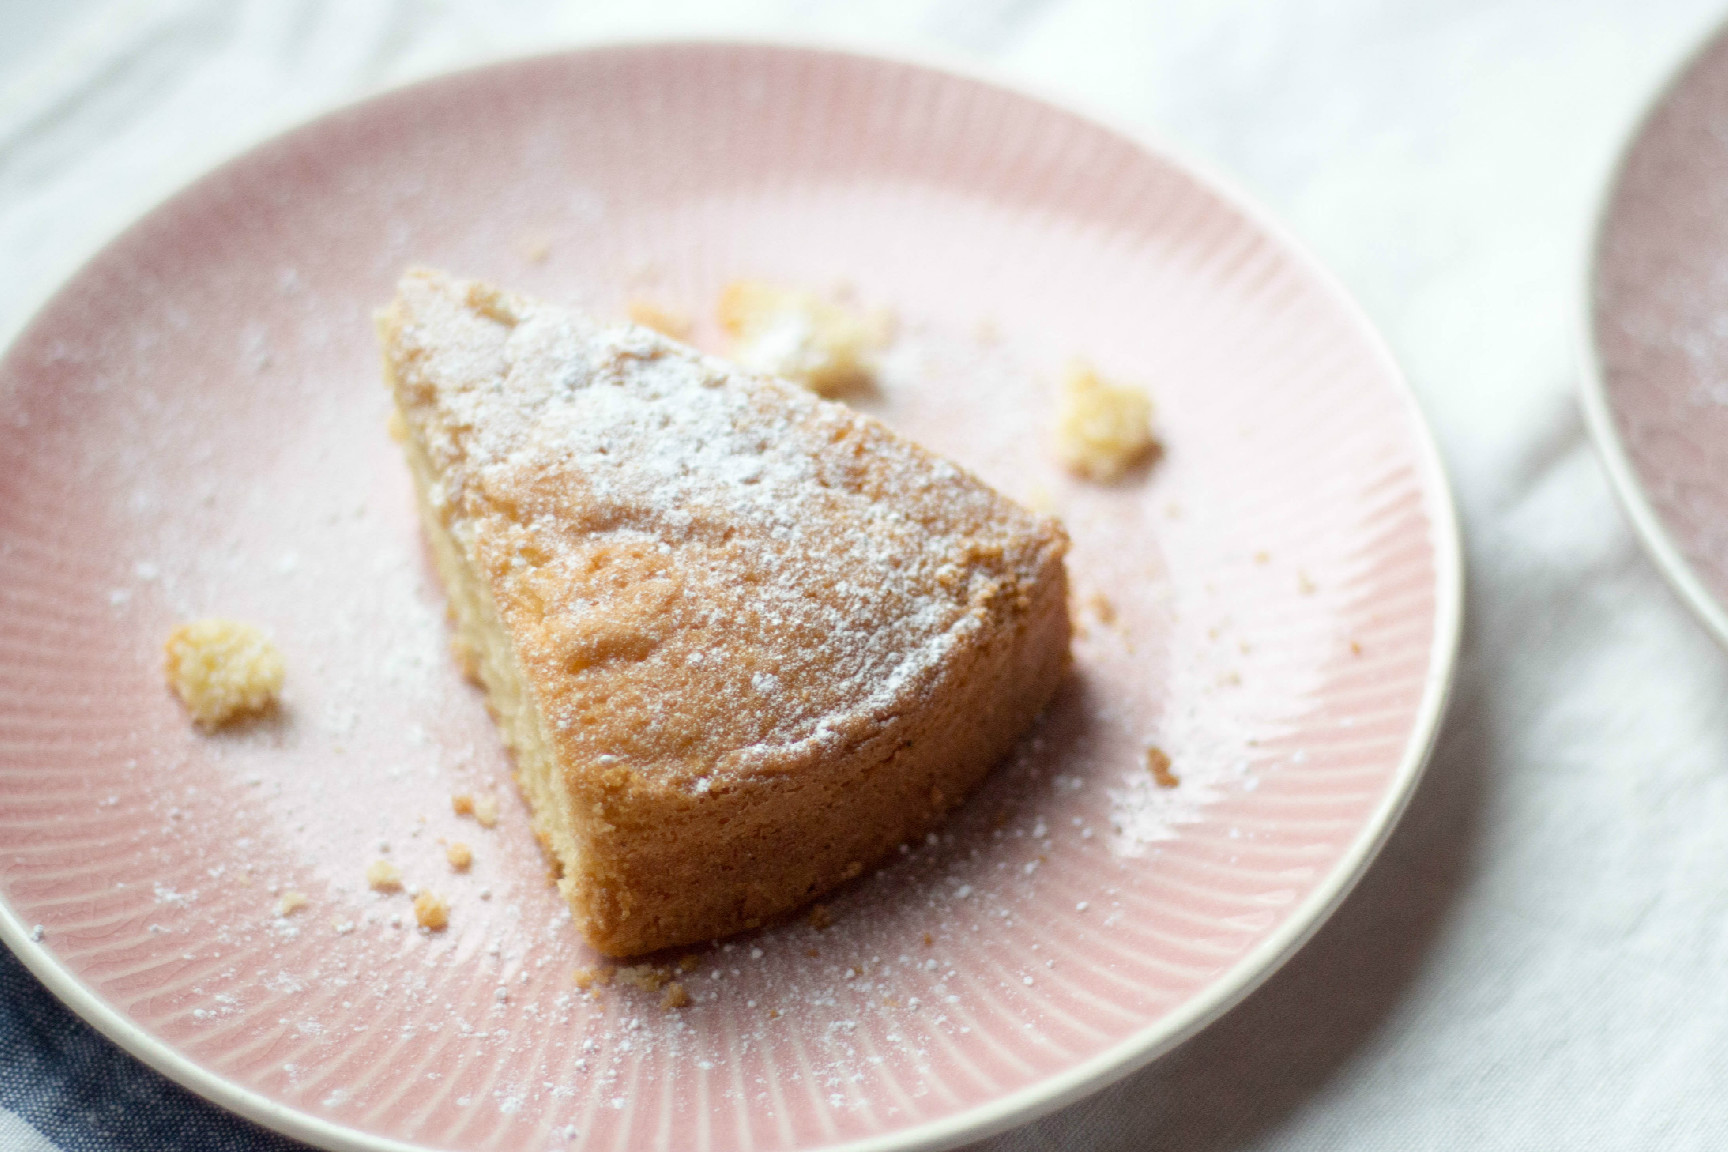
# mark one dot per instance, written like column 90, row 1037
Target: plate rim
column 1653, row 534
column 1127, row 1056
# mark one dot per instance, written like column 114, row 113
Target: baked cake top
column 705, row 572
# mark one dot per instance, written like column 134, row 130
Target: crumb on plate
column 432, row 913
column 1158, row 763
column 587, row 978
column 1103, row 430
column 383, row 876
column 459, row 855
column 290, row 903
column 221, row 669
column 799, row 336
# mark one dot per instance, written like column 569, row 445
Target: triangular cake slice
column 742, row 641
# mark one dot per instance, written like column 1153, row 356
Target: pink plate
column 195, row 425
column 1656, row 331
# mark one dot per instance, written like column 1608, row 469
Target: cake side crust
column 666, row 868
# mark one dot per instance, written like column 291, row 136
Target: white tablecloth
column 1538, row 958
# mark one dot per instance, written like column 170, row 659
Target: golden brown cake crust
column 759, row 631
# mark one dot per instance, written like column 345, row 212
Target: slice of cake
column 743, row 641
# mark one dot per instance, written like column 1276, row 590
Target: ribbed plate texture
column 196, row 425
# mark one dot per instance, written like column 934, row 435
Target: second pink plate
column 1655, row 329
column 195, row 425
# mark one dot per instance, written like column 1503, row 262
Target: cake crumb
column 383, row 876
column 1355, row 648
column 290, row 903
column 486, row 810
column 801, row 337
column 820, row 918
column 675, row 325
column 222, row 669
column 688, row 963
column 432, row 913
column 929, row 940
column 462, row 803
column 459, row 855
column 675, row 996
column 1103, row 430
column 587, row 978
column 1158, row 763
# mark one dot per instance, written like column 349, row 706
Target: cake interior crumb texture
column 741, row 640
column 223, row 669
